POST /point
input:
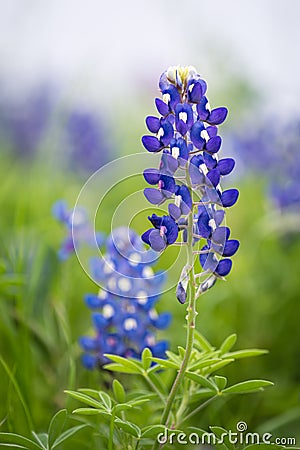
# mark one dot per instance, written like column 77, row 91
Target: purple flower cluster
column 86, row 143
column 274, row 154
column 190, row 172
column 79, row 229
column 124, row 314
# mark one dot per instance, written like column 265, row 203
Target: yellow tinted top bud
column 180, row 74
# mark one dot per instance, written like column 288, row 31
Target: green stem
column 152, row 385
column 195, row 411
column 111, row 431
column 191, row 318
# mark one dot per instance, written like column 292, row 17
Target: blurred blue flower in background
column 87, row 148
column 274, row 153
column 25, row 120
column 124, row 314
column 37, row 122
column 79, row 229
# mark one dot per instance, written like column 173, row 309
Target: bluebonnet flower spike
column 186, row 134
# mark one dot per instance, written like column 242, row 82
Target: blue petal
column 219, row 216
column 154, row 196
column 168, row 164
column 172, row 229
column 159, row 349
column 231, row 247
column 214, row 177
column 195, row 94
column 212, row 131
column 226, row 165
column 197, row 160
column 229, row 197
column 203, row 225
column 202, row 109
column 174, row 96
column 157, row 242
column 153, row 124
column 163, row 81
column 162, row 107
column 151, row 143
column 181, row 127
column 209, row 160
column 168, row 185
column 89, row 361
column 181, row 293
column 195, row 135
column 88, row 343
column 60, row 210
column 168, row 133
column 93, row 301
column 186, row 203
column 162, row 321
column 220, row 235
column 197, row 177
column 99, row 321
column 152, row 176
column 217, row 116
column 224, row 267
column 145, row 236
column 156, row 220
column 174, row 211
column 214, row 144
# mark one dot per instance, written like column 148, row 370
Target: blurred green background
column 52, row 139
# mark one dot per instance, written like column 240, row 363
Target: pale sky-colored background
column 104, row 50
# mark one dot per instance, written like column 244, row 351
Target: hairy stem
column 191, row 318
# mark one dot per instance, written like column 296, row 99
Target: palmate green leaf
column 228, row 343
column 181, row 351
column 201, row 394
column 248, row 353
column 128, row 427
column 203, row 363
column 41, row 439
column 203, row 342
column 156, row 380
column 8, row 439
column 122, row 407
column 247, row 387
column 152, row 431
column 146, row 358
column 85, row 399
column 56, row 426
column 165, row 363
column 221, row 382
column 91, row 412
column 200, row 379
column 67, row 434
column 173, row 357
column 138, row 402
column 131, row 364
column 118, row 391
column 90, row 392
column 106, row 400
column 121, row 369
column 219, row 365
